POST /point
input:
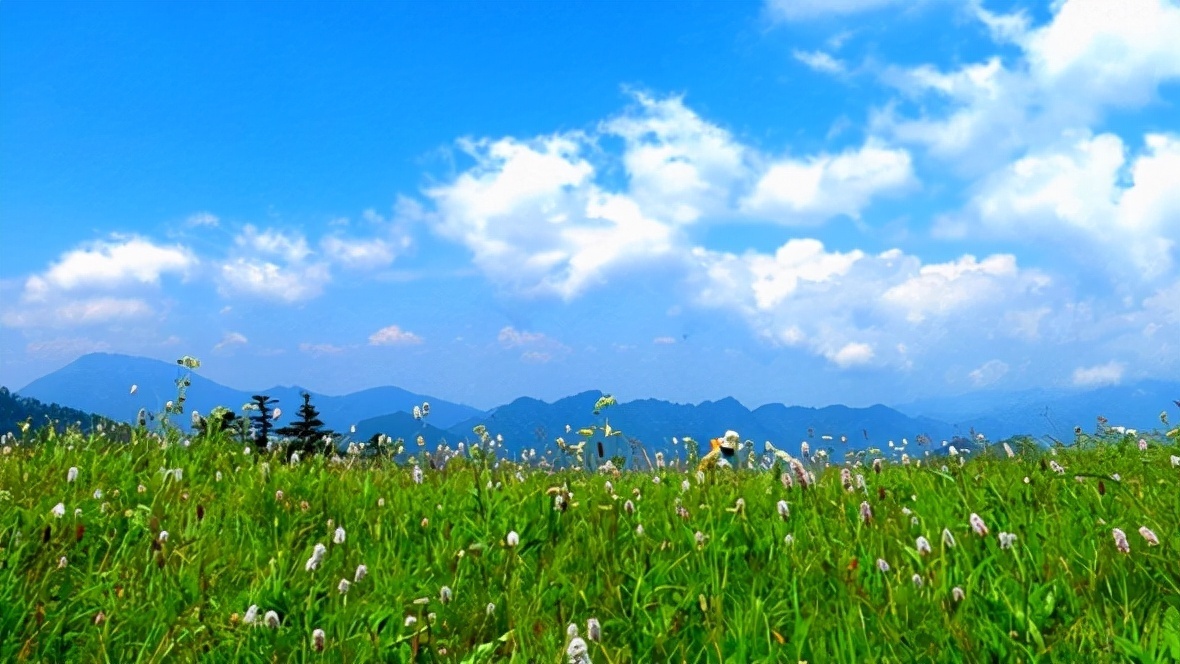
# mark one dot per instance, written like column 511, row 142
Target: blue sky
column 851, row 201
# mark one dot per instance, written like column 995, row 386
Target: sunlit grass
column 711, row 581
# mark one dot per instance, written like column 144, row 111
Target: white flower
column 72, row 474
column 977, row 525
column 62, row 562
column 577, row 652
column 957, row 594
column 163, row 536
column 317, row 640
column 923, row 546
column 1120, row 540
column 513, row 539
column 917, row 580
column 361, row 572
column 272, row 619
column 417, row 474
column 789, row 539
column 444, row 595
column 784, row 510
column 948, row 539
column 411, row 621
column 343, row 586
column 866, row 512
column 98, row 494
column 593, row 630
column 1148, row 535
column 59, row 510
column 339, row 536
column 1006, row 540
column 251, row 615
column 491, row 608
column 882, row 565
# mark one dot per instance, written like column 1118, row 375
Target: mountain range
column 100, row 383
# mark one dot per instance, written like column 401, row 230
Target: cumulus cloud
column 78, row 312
column 853, row 308
column 536, row 347
column 820, row 61
column 320, row 349
column 823, row 186
column 1078, row 192
column 107, row 265
column 988, row 373
column 229, row 340
column 260, row 278
column 358, row 254
column 538, row 217
column 393, row 335
column 1110, row 373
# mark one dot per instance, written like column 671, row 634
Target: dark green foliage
column 262, row 419
column 308, row 431
column 15, row 410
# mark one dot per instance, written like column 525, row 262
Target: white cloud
column 988, row 373
column 664, row 341
column 393, row 335
column 798, row 10
column 109, row 265
column 251, row 276
column 199, row 219
column 823, row 186
column 851, row 355
column 1091, row 57
column 853, row 308
column 536, row 346
column 229, row 340
column 510, row 336
column 291, row 247
column 680, row 166
column 820, row 61
column 1110, row 373
column 945, row 287
column 358, row 254
column 1077, row 192
column 72, row 313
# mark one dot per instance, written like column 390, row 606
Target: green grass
column 1061, row 593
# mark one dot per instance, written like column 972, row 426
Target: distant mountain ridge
column 100, row 382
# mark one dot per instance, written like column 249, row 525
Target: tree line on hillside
column 17, row 413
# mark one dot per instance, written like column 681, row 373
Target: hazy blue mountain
column 101, row 383
column 529, row 422
column 404, row 426
column 1044, row 412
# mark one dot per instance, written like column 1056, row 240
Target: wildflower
column 1026, row 480
column 317, row 556
column 62, row 562
column 444, row 595
column 1120, row 540
column 948, row 539
column 276, row 414
column 977, row 525
column 317, row 640
column 491, row 608
column 251, row 615
column 338, row 538
column 141, row 489
column 272, row 619
column 846, row 478
column 1008, row 450
column 1056, row 467
column 1142, row 445
column 957, row 594
column 684, row 486
column 866, row 512
column 700, row 538
column 1116, row 477
column 513, row 539
column 1148, row 535
column 425, row 522
column 72, row 474
column 639, row 529
column 877, row 466
column 1006, row 540
column 411, row 621
column 163, row 536
column 789, row 539
column 917, row 580
column 923, row 546
column 59, row 510
column 655, row 479
column 784, row 510
column 700, row 477
column 1175, row 460
column 593, row 630
column 804, row 449
column 217, row 476
column 740, row 506
column 629, row 507
column 571, row 630
column 98, row 494
column 417, row 474
column 882, row 565
column 343, row 586
column 361, row 572
column 577, row 652
column 100, row 618
column 278, row 495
